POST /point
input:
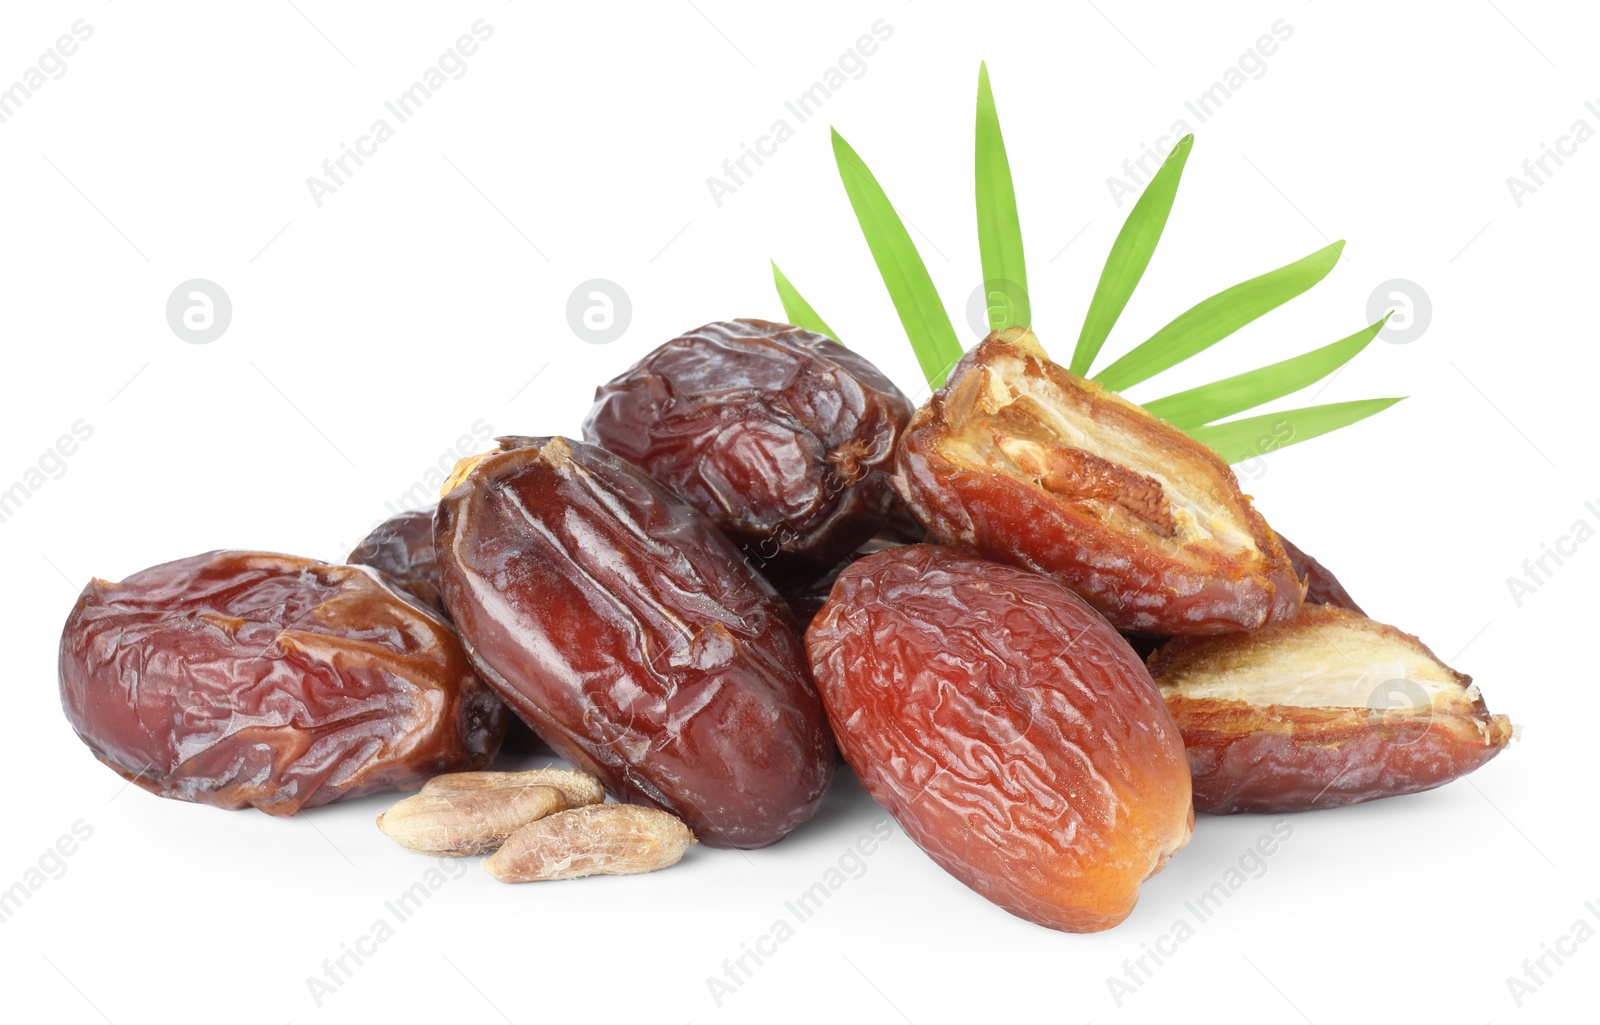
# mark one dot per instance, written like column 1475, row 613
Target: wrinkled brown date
column 1322, row 587
column 251, row 679
column 1023, row 462
column 783, row 437
column 1014, row 735
column 628, row 632
column 806, row 600
column 401, row 547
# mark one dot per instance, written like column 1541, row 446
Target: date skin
column 1328, row 709
column 807, row 600
column 1009, row 729
column 628, row 632
column 401, row 548
column 1322, row 587
column 783, row 437
column 1020, row 461
column 248, row 679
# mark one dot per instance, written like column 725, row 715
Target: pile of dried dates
column 1042, row 626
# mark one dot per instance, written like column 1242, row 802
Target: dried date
column 251, row 679
column 1011, row 731
column 401, row 547
column 1328, row 709
column 1018, row 460
column 806, row 600
column 1322, row 587
column 620, row 624
column 783, row 437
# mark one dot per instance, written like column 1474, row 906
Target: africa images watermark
column 52, row 864
column 341, row 968
column 1253, row 466
column 1537, row 172
column 52, row 465
column 1252, row 64
column 1252, row 864
column 52, row 64
column 1539, row 569
column 424, row 491
column 1536, row 971
column 736, row 171
column 452, row 64
column 852, row 864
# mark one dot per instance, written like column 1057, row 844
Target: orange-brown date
column 252, row 679
column 1020, row 461
column 1011, row 731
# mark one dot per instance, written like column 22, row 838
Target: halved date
column 251, row 679
column 621, row 625
column 1020, row 461
column 1328, row 709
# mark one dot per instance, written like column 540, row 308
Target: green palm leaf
column 1231, row 395
column 1238, row 440
column 921, row 311
column 1197, row 410
column 1005, row 274
column 1213, row 319
column 1130, row 255
column 796, row 309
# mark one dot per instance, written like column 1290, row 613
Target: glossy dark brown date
column 783, row 437
column 401, row 547
column 620, row 624
column 252, row 679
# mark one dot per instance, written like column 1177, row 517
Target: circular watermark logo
column 1404, row 701
column 198, row 311
column 990, row 716
column 995, row 305
column 598, row 311
column 1413, row 310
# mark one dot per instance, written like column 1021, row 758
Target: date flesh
column 783, row 437
column 1009, row 729
column 1322, row 588
column 1328, row 709
column 252, row 679
column 627, row 631
column 1020, row 461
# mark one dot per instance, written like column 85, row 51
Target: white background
column 430, row 290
